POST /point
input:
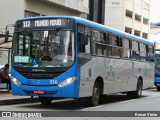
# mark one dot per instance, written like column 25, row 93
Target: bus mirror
column 6, row 36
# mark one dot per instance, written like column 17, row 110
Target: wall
column 46, row 8
column 114, row 12
column 10, row 11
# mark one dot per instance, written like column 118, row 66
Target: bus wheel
column 95, row 94
column 45, row 100
column 158, row 88
column 138, row 92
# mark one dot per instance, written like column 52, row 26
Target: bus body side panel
column 143, row 70
column 114, row 78
column 148, row 75
column 118, row 75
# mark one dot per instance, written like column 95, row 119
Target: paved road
column 148, row 103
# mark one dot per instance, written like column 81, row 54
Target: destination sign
column 44, row 23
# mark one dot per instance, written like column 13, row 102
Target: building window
column 137, row 33
column 129, row 13
column 145, row 35
column 146, row 6
column 128, row 30
column 138, row 17
column 97, row 11
column 30, row 14
column 145, row 21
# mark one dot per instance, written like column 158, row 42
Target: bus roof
column 99, row 27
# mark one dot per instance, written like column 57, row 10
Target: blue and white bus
column 70, row 57
column 157, row 66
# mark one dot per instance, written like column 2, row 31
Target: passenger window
column 135, row 46
column 150, row 53
column 103, row 38
column 84, row 44
column 125, row 43
column 112, row 39
column 113, row 52
column 100, row 49
column 95, row 36
column 135, row 51
column 84, row 39
column 143, row 55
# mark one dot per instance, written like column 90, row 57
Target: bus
column 157, row 66
column 56, row 57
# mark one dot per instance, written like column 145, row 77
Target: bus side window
column 126, row 48
column 150, row 53
column 84, row 39
column 81, row 46
column 84, row 36
column 135, row 51
column 143, row 52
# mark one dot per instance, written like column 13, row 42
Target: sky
column 155, row 11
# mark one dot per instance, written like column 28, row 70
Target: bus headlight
column 16, row 81
column 67, row 81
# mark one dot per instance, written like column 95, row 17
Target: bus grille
column 32, row 75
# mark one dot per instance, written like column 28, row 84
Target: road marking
column 93, row 107
column 152, row 96
column 127, row 101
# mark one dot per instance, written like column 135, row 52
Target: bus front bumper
column 48, row 91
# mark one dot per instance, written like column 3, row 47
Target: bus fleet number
column 53, row 82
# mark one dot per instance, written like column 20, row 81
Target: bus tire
column 158, row 88
column 95, row 94
column 138, row 92
column 45, row 100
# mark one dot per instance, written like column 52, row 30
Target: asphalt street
column 115, row 106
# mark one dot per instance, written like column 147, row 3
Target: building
column 155, row 32
column 11, row 10
column 131, row 16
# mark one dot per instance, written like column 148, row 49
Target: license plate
column 39, row 92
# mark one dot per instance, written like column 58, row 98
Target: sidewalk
column 6, row 98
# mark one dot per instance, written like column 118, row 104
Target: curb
column 19, row 101
column 153, row 87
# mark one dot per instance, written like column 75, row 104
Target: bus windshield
column 47, row 48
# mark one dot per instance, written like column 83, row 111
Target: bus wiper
column 57, row 30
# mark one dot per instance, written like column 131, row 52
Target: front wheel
column 45, row 100
column 138, row 92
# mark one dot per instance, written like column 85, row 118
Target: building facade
column 131, row 16
column 11, row 10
